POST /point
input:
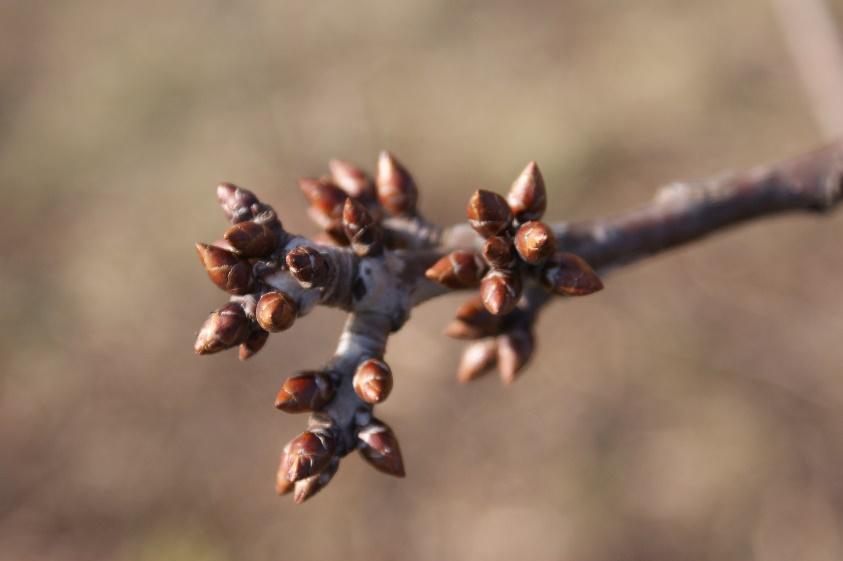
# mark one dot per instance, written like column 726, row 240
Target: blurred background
column 690, row 411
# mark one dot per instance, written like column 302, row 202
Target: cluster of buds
column 274, row 277
column 350, row 207
column 517, row 250
column 236, row 264
column 311, row 460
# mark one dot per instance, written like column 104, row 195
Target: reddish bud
column 488, row 213
column 253, row 343
column 500, row 291
column 308, row 454
column 570, row 275
column 373, row 381
column 251, row 239
column 458, row 269
column 352, row 180
column 473, row 321
column 307, row 266
column 379, row 447
column 514, row 350
column 325, row 198
column 477, row 359
column 535, row 242
column 276, row 311
column 499, row 253
column 306, row 488
column 365, row 235
column 309, row 391
column 527, row 197
column 225, row 269
column 396, row 189
column 223, row 329
column 236, row 202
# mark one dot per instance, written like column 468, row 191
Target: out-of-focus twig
column 816, row 48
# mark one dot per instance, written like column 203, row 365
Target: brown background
column 690, row 411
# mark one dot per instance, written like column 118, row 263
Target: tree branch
column 383, row 268
column 686, row 212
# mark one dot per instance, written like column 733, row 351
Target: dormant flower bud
column 527, row 197
column 373, row 381
column 326, row 201
column 535, row 242
column 307, row 488
column 226, row 269
column 477, row 359
column 309, row 391
column 308, row 454
column 379, row 447
column 396, row 189
column 500, row 291
column 458, row 269
column 570, row 275
column 488, row 213
column 236, row 202
column 499, row 253
column 224, row 328
column 276, row 311
column 251, row 239
column 307, row 266
column 253, row 343
column 365, row 235
column 352, row 180
column 514, row 350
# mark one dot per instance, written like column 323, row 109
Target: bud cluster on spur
column 518, row 251
column 373, row 259
column 274, row 277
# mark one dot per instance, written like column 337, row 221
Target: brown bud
column 488, row 213
column 365, row 235
column 499, row 253
column 251, row 239
column 373, row 381
column 458, row 269
column 309, row 391
column 527, row 197
column 514, row 350
column 276, row 311
column 253, row 343
column 307, row 266
column 225, row 269
column 352, row 180
column 306, row 488
column 236, row 202
column 223, row 329
column 379, row 447
column 309, row 453
column 396, row 189
column 500, row 291
column 282, row 484
column 535, row 242
column 477, row 359
column 325, row 198
column 473, row 321
column 570, row 275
